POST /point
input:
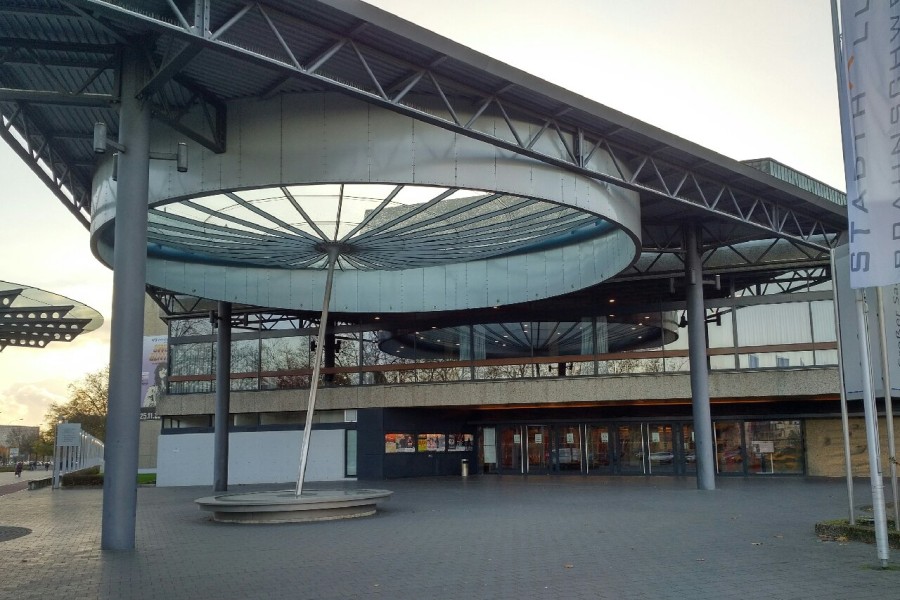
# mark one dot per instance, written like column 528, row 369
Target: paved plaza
column 482, row 537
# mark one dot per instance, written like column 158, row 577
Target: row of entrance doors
column 663, row 448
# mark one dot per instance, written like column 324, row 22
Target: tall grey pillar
column 696, row 313
column 223, row 398
column 126, row 343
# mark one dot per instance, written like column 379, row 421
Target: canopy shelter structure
column 33, row 318
column 227, row 152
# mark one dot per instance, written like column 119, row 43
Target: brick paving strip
column 13, row 487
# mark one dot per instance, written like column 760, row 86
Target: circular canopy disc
column 32, row 318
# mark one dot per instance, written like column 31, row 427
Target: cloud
column 28, row 402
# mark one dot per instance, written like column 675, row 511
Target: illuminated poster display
column 398, row 442
column 154, row 365
column 460, row 442
column 431, row 442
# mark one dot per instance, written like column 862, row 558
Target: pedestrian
column 19, row 469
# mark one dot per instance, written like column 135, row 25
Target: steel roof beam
column 58, row 98
column 167, row 71
column 77, row 47
column 213, row 115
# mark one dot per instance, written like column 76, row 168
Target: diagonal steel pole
column 314, row 384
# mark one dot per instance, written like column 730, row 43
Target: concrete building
column 493, row 269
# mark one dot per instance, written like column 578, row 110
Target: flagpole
column 845, row 421
column 888, row 404
column 871, row 414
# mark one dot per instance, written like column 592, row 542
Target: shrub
column 85, row 477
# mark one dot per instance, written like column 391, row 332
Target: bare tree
column 88, row 404
column 23, row 438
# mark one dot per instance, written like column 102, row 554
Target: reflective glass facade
column 766, row 332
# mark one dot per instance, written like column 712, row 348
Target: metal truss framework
column 36, row 150
column 84, row 77
column 663, row 253
column 342, row 62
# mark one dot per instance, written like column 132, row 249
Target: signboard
column 850, row 342
column 68, row 434
column 762, row 447
column 153, row 368
column 870, row 142
column 490, row 445
column 13, row 452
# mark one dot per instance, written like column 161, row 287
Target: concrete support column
column 223, row 397
column 696, row 314
column 126, row 343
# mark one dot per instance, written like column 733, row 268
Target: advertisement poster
column 153, row 368
column 398, row 442
column 431, row 442
column 461, row 442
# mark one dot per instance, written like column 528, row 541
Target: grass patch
column 840, row 530
column 146, row 479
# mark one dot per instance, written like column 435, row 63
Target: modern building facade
column 400, row 409
column 493, row 269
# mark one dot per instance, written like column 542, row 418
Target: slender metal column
column 703, row 438
column 333, row 252
column 223, row 397
column 126, row 343
column 888, row 404
column 871, row 413
column 845, row 421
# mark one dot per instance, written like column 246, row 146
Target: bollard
column 465, row 467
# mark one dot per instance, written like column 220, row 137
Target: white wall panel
column 253, row 458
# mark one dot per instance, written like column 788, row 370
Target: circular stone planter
column 284, row 506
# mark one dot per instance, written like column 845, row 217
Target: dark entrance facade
column 521, row 442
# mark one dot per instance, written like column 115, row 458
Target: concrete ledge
column 36, row 484
column 284, row 506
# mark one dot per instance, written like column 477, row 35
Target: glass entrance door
column 599, row 459
column 568, row 449
column 660, row 449
column 688, row 457
column 630, row 452
column 538, row 451
column 509, row 442
column 646, row 448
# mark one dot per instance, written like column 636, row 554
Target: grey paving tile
column 486, row 537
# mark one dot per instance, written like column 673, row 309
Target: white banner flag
column 871, row 44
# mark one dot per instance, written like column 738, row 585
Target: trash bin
column 465, row 467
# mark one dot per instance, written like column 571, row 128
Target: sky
column 745, row 78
